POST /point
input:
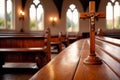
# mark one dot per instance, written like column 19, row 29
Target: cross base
column 92, row 60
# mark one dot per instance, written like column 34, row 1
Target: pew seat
column 12, row 50
column 68, row 64
column 36, row 52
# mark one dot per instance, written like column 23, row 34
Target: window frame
column 72, row 13
column 113, row 15
column 5, row 27
column 36, row 20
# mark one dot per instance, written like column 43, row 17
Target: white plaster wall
column 17, row 22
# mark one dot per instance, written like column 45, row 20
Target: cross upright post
column 92, row 15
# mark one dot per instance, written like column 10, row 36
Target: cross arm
column 83, row 15
column 100, row 15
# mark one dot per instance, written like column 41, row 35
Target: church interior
column 59, row 40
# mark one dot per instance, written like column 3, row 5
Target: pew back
column 21, row 41
column 56, row 42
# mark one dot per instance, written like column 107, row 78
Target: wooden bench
column 72, row 36
column 56, row 42
column 25, row 48
column 108, row 70
column 110, row 48
column 112, row 33
column 64, row 39
column 68, row 64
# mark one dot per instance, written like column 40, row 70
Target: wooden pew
column 25, row 48
column 63, row 66
column 110, row 48
column 68, row 65
column 108, row 70
column 72, row 36
column 112, row 33
column 56, row 42
column 59, row 41
column 41, row 33
column 64, row 39
column 85, row 35
column 110, row 40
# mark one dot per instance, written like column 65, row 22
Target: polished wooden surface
column 95, row 72
column 113, row 41
column 109, row 53
column 63, row 66
column 68, row 64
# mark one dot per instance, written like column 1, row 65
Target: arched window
column 113, row 14
column 36, row 16
column 6, row 14
column 72, row 19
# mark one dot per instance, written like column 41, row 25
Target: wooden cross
column 92, row 15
